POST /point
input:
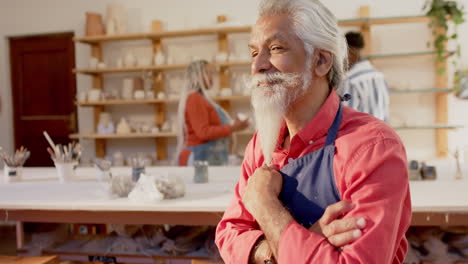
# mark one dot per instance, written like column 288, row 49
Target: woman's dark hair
column 355, row 40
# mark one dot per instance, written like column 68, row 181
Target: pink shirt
column 370, row 170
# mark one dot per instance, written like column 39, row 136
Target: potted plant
column 441, row 13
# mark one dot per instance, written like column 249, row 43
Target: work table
column 40, row 197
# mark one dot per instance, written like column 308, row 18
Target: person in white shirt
column 365, row 84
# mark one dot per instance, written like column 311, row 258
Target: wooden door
column 43, row 89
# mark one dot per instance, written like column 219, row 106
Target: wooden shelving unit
column 365, row 22
column 441, row 80
column 160, row 105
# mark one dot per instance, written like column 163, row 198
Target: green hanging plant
column 441, row 13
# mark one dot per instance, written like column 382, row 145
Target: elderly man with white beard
column 321, row 182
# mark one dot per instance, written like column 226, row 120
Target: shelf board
column 427, row 127
column 404, row 55
column 171, row 67
column 128, row 102
column 383, row 21
column 234, row 64
column 164, row 34
column 431, row 90
column 232, row 98
column 124, row 136
column 159, row 101
column 239, row 29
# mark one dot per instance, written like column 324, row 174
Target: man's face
column 275, row 47
column 279, row 76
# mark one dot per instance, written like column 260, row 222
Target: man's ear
column 323, row 62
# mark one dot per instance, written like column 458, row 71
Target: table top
column 40, row 189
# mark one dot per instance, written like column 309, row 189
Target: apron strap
column 333, row 131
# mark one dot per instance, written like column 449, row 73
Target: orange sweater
column 202, row 121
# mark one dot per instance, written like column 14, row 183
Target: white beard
column 272, row 94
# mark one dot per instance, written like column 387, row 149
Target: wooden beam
column 96, row 51
column 98, row 83
column 99, row 144
column 115, row 217
column 161, row 148
column 441, row 103
column 364, row 12
column 160, row 109
column 224, row 78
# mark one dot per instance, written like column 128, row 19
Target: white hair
column 317, row 27
column 194, row 83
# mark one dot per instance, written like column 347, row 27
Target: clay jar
column 94, row 25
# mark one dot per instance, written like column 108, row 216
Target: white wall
column 22, row 17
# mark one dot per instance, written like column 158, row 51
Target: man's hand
column 261, row 252
column 265, row 183
column 339, row 232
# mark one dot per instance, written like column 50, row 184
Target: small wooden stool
column 28, row 260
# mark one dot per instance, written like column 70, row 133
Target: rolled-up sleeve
column 376, row 182
column 238, row 231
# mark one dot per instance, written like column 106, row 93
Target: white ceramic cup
column 65, row 170
column 119, row 63
column 93, row 63
column 12, row 174
column 144, row 61
column 82, row 96
column 101, row 65
column 149, row 95
column 94, row 95
column 161, row 95
column 139, row 95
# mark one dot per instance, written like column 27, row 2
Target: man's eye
column 253, row 54
column 276, row 48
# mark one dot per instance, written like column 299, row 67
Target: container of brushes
column 12, row 174
column 65, row 170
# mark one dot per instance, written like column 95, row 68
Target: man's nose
column 261, row 63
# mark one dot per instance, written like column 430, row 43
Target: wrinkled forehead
column 269, row 27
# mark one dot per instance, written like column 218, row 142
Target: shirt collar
column 359, row 66
column 322, row 121
column 318, row 126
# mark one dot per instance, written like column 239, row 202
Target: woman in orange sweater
column 205, row 127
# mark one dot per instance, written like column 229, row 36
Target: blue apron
column 309, row 182
column 216, row 151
